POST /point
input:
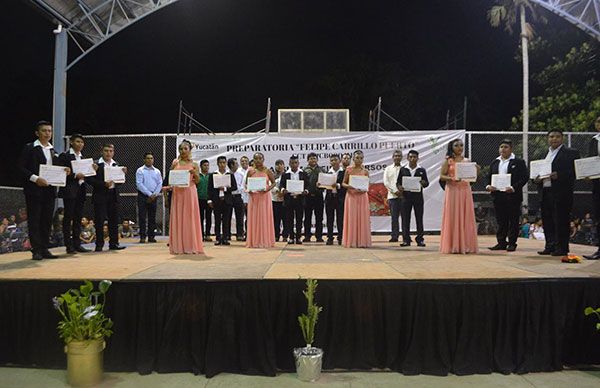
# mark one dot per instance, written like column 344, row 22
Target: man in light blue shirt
column 148, row 180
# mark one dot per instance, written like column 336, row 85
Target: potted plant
column 83, row 327
column 308, row 359
column 596, row 312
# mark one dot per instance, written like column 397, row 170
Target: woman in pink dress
column 459, row 231
column 185, row 229
column 260, row 230
column 357, row 215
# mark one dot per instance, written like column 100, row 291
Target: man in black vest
column 293, row 203
column 412, row 200
column 557, row 195
column 39, row 196
column 105, row 198
column 221, row 200
column 507, row 202
column 73, row 195
column 594, row 150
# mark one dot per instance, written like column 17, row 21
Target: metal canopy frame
column 585, row 14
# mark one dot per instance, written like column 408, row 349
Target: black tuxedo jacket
column 287, row 197
column 420, row 172
column 213, row 193
column 73, row 189
column 101, row 193
column 519, row 176
column 593, row 151
column 564, row 166
column 29, row 164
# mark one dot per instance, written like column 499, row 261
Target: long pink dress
column 357, row 217
column 459, row 231
column 185, row 229
column 261, row 231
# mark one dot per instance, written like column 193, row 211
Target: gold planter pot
column 84, row 362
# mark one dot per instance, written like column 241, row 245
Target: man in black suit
column 412, row 200
column 557, row 195
column 314, row 199
column 293, row 203
column 594, row 150
column 221, row 200
column 39, row 196
column 105, row 198
column 73, row 195
column 507, row 203
column 333, row 210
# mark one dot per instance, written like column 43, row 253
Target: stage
column 410, row 310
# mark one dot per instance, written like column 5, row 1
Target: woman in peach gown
column 459, row 230
column 260, row 229
column 357, row 214
column 185, row 229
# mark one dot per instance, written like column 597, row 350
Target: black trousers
column 40, row 210
column 279, row 220
column 294, row 212
column 313, row 203
column 408, row 204
column 508, row 212
column 72, row 220
column 240, row 213
column 556, row 210
column 334, row 208
column 395, row 209
column 146, row 210
column 223, row 212
column 205, row 217
column 107, row 210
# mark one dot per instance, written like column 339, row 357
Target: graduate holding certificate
column 357, row 215
column 594, row 151
column 412, row 197
column 293, row 203
column 259, row 181
column 221, row 184
column 507, row 196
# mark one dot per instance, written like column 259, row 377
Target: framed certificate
column 84, row 166
column 295, row 186
column 257, row 184
column 501, row 181
column 359, row 182
column 467, row 171
column 179, row 178
column 588, row 168
column 327, row 179
column 221, row 180
column 54, row 175
column 540, row 168
column 412, row 184
column 115, row 174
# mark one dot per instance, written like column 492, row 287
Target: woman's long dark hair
column 450, row 151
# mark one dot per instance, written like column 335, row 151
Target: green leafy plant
column 308, row 321
column 590, row 311
column 82, row 313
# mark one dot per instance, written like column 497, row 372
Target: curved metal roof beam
column 585, row 14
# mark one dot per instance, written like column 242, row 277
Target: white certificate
column 412, row 184
column 179, row 178
column 501, row 181
column 295, row 186
column 327, row 179
column 221, row 180
column 84, row 166
column 115, row 174
column 467, row 171
column 588, row 168
column 541, row 168
column 54, row 175
column 359, row 182
column 257, row 184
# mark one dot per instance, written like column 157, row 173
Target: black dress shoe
column 98, row 249
column 421, row 244
column 511, row 247
column 217, row 242
column 339, row 242
column 545, row 252
column 37, row 256
column 116, row 248
column 71, row 251
column 320, row 240
column 306, row 239
column 393, row 240
column 298, row 241
column 498, row 247
column 405, row 244
column 329, row 242
column 48, row 255
column 290, row 241
column 81, row 249
column 142, row 241
column 151, row 240
column 559, row 253
column 595, row 256
column 225, row 243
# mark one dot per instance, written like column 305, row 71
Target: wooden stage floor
column 383, row 261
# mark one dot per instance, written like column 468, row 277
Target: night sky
column 225, row 57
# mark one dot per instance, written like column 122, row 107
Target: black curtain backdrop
column 250, row 327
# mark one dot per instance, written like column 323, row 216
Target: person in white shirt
column 279, row 217
column 148, row 180
column 334, row 208
column 239, row 206
column 412, row 200
column 390, row 177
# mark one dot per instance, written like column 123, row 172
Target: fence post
column 526, row 159
column 164, row 168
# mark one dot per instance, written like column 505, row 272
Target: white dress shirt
column 390, row 177
column 242, row 187
column 47, row 154
column 550, row 157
